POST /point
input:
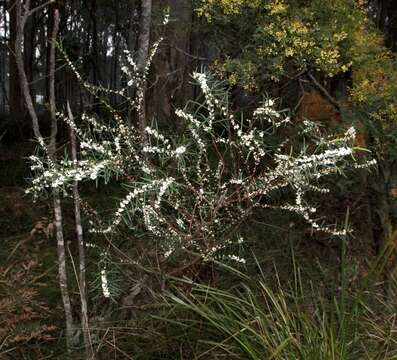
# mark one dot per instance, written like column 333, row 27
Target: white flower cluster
column 210, row 100
column 192, row 190
column 66, row 172
column 267, row 109
column 105, row 285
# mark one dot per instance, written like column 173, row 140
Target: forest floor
column 31, row 313
column 30, row 307
column 29, row 295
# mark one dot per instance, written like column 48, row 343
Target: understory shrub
column 192, row 190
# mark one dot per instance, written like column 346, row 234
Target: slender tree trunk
column 28, row 52
column 81, row 247
column 63, row 281
column 95, row 53
column 115, row 62
column 3, row 59
column 51, row 77
column 50, row 25
column 16, row 105
column 131, row 42
column 23, row 12
column 20, row 22
column 384, row 13
column 62, row 273
column 173, row 65
column 143, row 52
column 131, row 34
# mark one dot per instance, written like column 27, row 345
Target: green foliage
column 285, row 38
column 374, row 94
column 255, row 320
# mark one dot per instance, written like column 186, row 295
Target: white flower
column 166, row 16
column 236, row 181
column 180, row 150
column 168, row 253
column 269, row 103
column 237, row 259
column 146, row 169
column 105, row 286
column 351, row 132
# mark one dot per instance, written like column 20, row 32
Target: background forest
column 198, row 179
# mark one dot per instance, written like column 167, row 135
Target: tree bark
column 143, row 52
column 81, row 248
column 3, row 59
column 28, row 52
column 384, row 13
column 173, row 64
column 63, row 281
column 17, row 109
column 23, row 12
column 95, row 53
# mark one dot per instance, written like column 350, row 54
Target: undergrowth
column 256, row 319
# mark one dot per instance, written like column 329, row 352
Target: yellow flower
column 277, row 7
column 289, row 52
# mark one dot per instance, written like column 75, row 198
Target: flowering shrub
column 193, row 190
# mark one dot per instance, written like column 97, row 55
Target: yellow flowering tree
column 275, row 38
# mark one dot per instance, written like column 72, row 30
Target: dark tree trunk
column 143, row 51
column 115, row 63
column 95, row 52
column 16, row 102
column 28, row 52
column 3, row 59
column 172, row 66
column 384, row 13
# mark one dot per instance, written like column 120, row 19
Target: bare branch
column 324, row 91
column 194, row 57
column 37, row 8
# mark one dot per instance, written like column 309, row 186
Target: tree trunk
column 22, row 14
column 16, row 104
column 173, row 64
column 384, row 13
column 95, row 53
column 3, row 61
column 81, row 248
column 28, row 52
column 143, row 51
